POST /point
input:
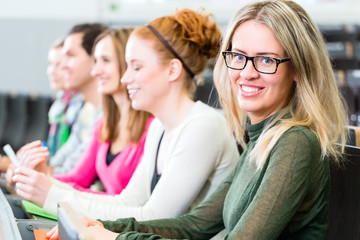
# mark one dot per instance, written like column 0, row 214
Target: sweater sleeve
column 83, row 174
column 197, row 154
column 203, row 222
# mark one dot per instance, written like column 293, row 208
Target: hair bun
column 199, row 28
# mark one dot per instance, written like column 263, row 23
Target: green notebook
column 37, row 210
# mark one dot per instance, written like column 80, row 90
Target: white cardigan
column 201, row 153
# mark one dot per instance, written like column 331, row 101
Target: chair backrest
column 350, row 99
column 37, row 125
column 206, row 92
column 354, row 136
column 3, row 114
column 344, row 210
column 16, row 121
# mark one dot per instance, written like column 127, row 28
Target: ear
column 175, row 69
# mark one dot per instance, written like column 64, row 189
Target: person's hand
column 4, row 163
column 9, row 174
column 88, row 222
column 53, row 234
column 94, row 226
column 32, row 185
column 100, row 233
column 20, row 153
column 33, row 155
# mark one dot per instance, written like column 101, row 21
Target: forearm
column 203, row 222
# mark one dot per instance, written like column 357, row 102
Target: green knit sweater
column 287, row 199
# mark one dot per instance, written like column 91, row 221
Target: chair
column 3, row 115
column 37, row 125
column 27, row 226
column 344, row 209
column 206, row 92
column 349, row 95
column 354, row 136
column 16, row 121
column 340, row 50
column 339, row 32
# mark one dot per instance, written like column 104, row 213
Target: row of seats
column 343, row 44
column 23, row 118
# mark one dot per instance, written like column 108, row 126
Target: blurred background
column 28, row 28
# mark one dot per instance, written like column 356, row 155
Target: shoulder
column 156, row 128
column 300, row 141
column 99, row 123
column 206, row 117
column 205, row 124
column 301, row 133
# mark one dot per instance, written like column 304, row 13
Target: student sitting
column 275, row 77
column 189, row 148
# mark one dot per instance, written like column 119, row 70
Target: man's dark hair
column 90, row 31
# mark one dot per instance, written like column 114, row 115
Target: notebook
column 34, row 209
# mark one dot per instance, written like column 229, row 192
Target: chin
column 137, row 106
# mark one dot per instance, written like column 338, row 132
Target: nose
column 96, row 70
column 126, row 79
column 64, row 63
column 249, row 72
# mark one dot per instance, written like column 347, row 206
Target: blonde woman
column 275, row 78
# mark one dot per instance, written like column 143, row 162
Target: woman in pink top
column 117, row 143
column 97, row 162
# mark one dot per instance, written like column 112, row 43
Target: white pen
column 11, row 154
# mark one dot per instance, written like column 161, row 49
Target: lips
column 66, row 76
column 101, row 82
column 132, row 92
column 250, row 91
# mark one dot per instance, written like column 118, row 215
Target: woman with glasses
column 277, row 82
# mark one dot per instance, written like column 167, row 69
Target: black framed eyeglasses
column 262, row 64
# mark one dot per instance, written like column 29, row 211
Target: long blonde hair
column 315, row 101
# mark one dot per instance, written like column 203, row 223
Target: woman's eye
column 268, row 60
column 239, row 58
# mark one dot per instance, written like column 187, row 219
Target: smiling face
column 54, row 72
column 106, row 68
column 77, row 64
column 146, row 76
column 259, row 94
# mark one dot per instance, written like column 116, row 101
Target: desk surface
column 8, row 226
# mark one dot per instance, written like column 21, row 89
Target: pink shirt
column 92, row 164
